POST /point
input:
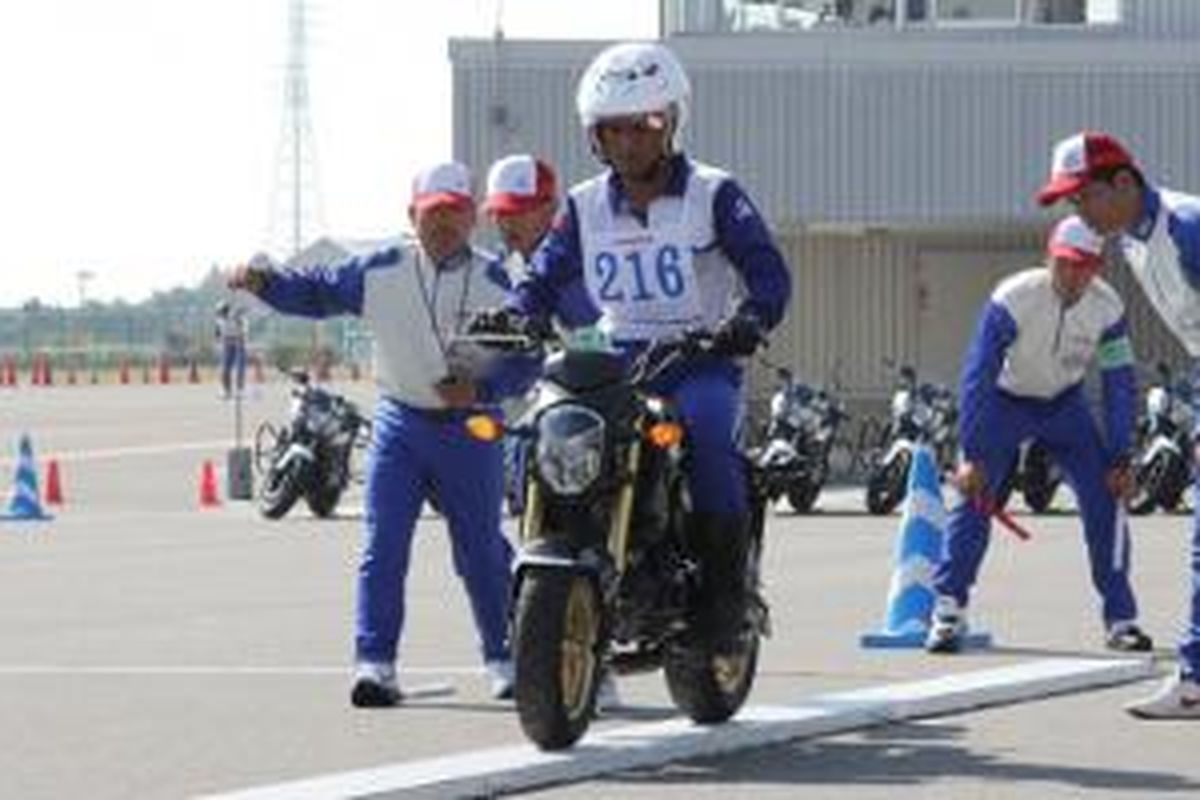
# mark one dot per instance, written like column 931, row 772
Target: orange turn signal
column 664, row 434
column 484, row 427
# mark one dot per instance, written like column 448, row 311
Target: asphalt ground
column 153, row 648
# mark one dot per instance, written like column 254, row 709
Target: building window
column 798, row 15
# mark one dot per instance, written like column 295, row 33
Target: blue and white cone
column 26, row 502
column 918, row 551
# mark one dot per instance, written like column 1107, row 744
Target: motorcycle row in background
column 317, row 452
column 807, row 424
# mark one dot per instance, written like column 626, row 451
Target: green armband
column 1115, row 353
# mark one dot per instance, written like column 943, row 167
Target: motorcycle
column 921, row 414
column 795, row 458
column 1036, row 474
column 1164, row 432
column 310, row 456
column 604, row 578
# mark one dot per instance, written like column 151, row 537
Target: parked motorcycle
column 1164, row 445
column 1035, row 474
column 921, row 414
column 310, row 456
column 605, row 578
column 794, row 459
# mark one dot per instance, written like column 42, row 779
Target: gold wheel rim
column 580, row 625
column 729, row 672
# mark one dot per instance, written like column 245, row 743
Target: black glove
column 740, row 335
column 494, row 321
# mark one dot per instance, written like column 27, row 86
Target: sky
column 141, row 138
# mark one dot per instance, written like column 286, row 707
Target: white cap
column 444, row 184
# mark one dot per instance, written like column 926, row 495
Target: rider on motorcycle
column 1022, row 378
column 655, row 246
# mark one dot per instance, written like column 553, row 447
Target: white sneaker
column 500, row 675
column 375, row 685
column 607, row 698
column 1176, row 698
column 947, row 627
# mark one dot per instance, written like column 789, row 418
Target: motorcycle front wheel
column 1038, row 486
column 281, row 489
column 887, row 483
column 556, row 650
column 802, row 494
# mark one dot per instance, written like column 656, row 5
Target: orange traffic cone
column 208, row 485
column 54, row 494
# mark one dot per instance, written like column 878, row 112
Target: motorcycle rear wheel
column 322, row 502
column 708, row 687
column 556, row 650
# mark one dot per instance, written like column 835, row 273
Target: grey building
column 894, row 144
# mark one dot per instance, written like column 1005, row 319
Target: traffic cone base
column 919, row 544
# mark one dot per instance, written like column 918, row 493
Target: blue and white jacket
column 1029, row 345
column 414, row 310
column 1163, row 250
column 736, row 262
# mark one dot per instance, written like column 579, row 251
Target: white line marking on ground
column 484, row 773
column 123, row 452
column 213, row 670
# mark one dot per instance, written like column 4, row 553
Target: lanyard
column 429, row 299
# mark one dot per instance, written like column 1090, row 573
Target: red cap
column 1073, row 240
column 445, row 184
column 1074, row 160
column 518, row 183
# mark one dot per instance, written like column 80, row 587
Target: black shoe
column 1127, row 637
column 375, row 687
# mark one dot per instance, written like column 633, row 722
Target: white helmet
column 634, row 78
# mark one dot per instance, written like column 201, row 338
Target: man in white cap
column 1022, row 378
column 522, row 199
column 416, row 296
column 1159, row 232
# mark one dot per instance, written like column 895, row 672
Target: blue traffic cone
column 25, row 502
column 918, row 551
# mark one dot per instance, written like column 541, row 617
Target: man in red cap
column 416, row 296
column 522, row 199
column 1022, row 378
column 1159, row 232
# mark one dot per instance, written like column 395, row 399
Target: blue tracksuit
column 699, row 253
column 1163, row 251
column 419, row 449
column 1022, row 378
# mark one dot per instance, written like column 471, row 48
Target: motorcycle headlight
column 1158, row 402
column 570, row 448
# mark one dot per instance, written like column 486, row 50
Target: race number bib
column 644, row 282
